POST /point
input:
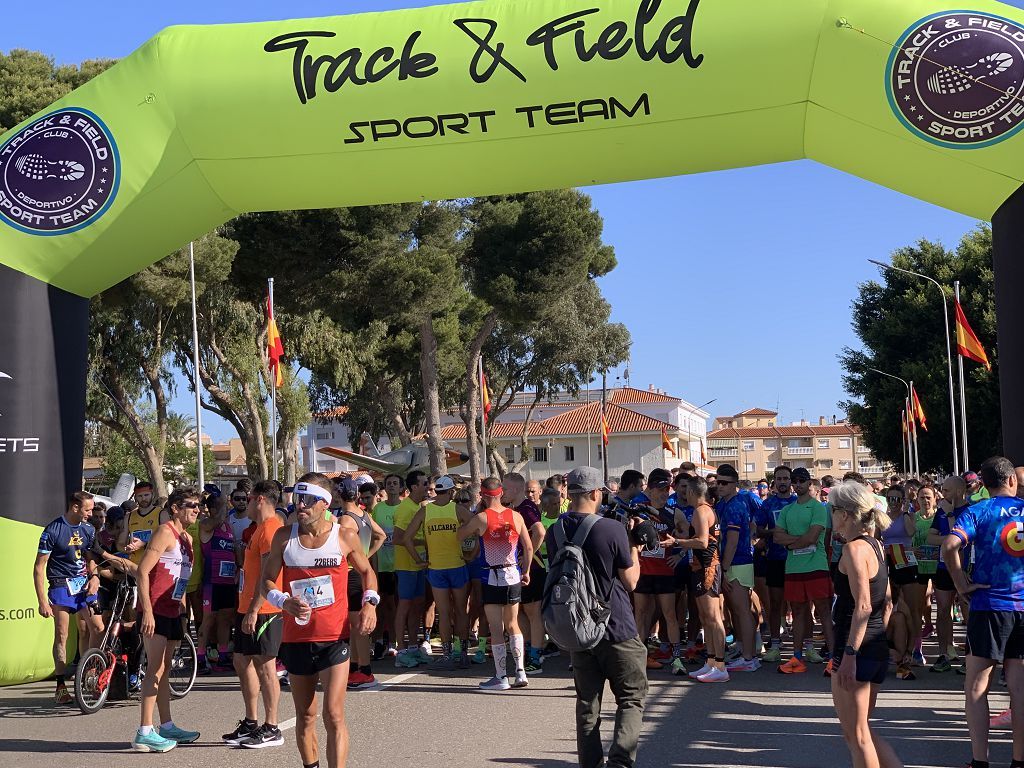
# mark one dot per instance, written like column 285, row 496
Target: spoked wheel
column 182, row 674
column 92, row 680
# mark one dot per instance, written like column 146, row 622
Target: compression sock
column 720, row 662
column 311, row 765
column 499, row 650
column 798, row 653
column 366, row 669
column 60, row 679
column 517, row 652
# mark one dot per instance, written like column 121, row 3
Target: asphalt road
column 427, row 718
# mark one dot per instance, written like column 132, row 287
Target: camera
column 642, row 533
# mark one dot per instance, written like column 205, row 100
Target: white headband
column 313, row 490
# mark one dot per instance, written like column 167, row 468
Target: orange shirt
column 252, row 566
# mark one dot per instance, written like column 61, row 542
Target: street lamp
column 692, row 410
column 949, row 352
column 910, row 449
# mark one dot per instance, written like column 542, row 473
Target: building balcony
column 800, row 451
column 874, row 469
column 721, row 453
column 863, row 449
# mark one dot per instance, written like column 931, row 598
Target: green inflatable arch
column 203, row 123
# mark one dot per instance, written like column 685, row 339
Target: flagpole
column 904, row 436
column 589, row 439
column 913, row 431
column 483, row 414
column 200, row 473
column 273, row 393
column 604, row 445
column 963, row 399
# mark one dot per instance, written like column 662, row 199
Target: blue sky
column 759, row 264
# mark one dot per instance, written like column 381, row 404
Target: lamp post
column 949, row 353
column 911, row 447
column 692, row 410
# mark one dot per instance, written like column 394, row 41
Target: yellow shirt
column 196, row 579
column 142, row 527
column 404, row 513
column 440, row 525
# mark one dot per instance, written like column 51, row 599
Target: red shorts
column 807, row 587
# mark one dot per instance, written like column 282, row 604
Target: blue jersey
column 767, row 519
column 735, row 515
column 996, row 528
column 942, row 526
column 66, row 545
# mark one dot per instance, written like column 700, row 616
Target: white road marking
column 290, row 722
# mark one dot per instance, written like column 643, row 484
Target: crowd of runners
column 333, row 578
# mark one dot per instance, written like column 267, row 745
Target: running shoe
column 425, row 652
column 378, row 650
column 813, row 656
column 284, row 681
column 444, row 661
column 392, row 651
column 653, row 663
column 715, row 675
column 243, row 730
column 758, row 645
column 928, row 631
column 729, row 639
column 903, row 672
column 479, row 657
column 653, row 643
column 961, row 670
column 733, row 653
column 830, row 666
column 281, row 671
column 464, row 659
column 702, row 671
column 662, row 654
column 203, row 668
column 521, row 680
column 408, row 659
column 152, row 742
column 941, row 665
column 773, row 655
column 793, row 667
column 678, row 667
column 180, row 735
column 550, row 651
column 743, row 665
column 695, row 654
column 495, row 684
column 62, row 695
column 918, row 659
column 434, row 642
column 265, row 736
column 359, row 681
column 1002, row 720
column 533, row 666
column 952, row 653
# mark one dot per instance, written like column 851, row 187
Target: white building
column 334, row 433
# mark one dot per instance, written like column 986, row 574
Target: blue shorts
column 448, row 578
column 59, row 596
column 478, row 570
column 411, row 584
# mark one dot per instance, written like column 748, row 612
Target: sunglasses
column 894, row 499
column 725, row 482
column 308, row 500
column 191, row 505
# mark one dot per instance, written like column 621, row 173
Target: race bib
column 241, row 581
column 76, row 584
column 180, row 585
column 317, row 592
column 468, row 544
column 658, row 553
column 144, row 536
column 902, row 557
column 389, row 539
column 227, row 569
column 806, row 550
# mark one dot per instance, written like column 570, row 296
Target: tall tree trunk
column 472, row 410
column 524, row 440
column 134, row 431
column 431, row 396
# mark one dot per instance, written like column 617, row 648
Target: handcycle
column 115, row 662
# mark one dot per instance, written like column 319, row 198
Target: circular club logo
column 58, row 174
column 955, row 79
column 1012, row 539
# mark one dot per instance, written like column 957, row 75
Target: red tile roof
column 334, row 414
column 632, row 396
column 577, row 421
column 457, row 431
column 757, row 412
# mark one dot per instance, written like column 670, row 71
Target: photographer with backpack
column 593, row 565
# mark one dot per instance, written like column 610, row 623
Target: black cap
column 659, row 478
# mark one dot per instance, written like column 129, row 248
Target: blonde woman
column 861, row 653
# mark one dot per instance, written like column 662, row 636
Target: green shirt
column 384, row 516
column 796, row 519
column 927, row 556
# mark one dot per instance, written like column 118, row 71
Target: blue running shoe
column 152, row 742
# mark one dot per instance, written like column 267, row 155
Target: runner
column 371, row 537
column 927, row 565
column 995, row 629
column 410, row 568
column 515, row 498
column 220, row 593
column 775, row 559
column 66, row 581
column 141, row 523
column 502, row 533
column 384, row 562
column 472, row 555
column 907, row 593
column 447, row 571
column 309, row 557
column 163, row 578
column 257, row 628
column 239, row 517
column 801, row 530
column 862, row 589
column 737, row 564
column 952, row 505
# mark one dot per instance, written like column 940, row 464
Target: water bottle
column 305, row 598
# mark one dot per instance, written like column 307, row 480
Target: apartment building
column 754, row 443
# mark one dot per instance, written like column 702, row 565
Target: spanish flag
column 703, row 455
column 967, row 343
column 665, row 443
column 604, row 428
column 918, row 410
column 485, row 393
column 275, row 349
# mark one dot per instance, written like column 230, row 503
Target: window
column 748, row 445
column 325, row 435
column 570, row 452
column 540, row 454
column 769, row 465
column 825, row 463
column 510, row 453
column 771, row 445
column 794, row 443
column 844, row 442
column 748, row 466
column 823, row 444
column 845, row 464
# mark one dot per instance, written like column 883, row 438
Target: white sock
column 517, row 653
column 145, row 730
column 168, row 724
column 499, row 651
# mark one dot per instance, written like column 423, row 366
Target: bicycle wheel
column 92, row 680
column 182, row 674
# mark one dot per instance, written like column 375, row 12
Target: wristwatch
column 849, row 651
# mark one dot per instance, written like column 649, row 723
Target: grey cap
column 585, row 479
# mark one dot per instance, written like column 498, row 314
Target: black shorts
column 775, row 577
column 387, row 583
column 355, row 590
column 223, row 596
column 265, row 641
column 902, row 576
column 996, row 635
column 707, row 581
column 760, row 565
column 924, row 578
column 870, row 669
column 943, row 581
column 310, row 658
column 502, row 595
column 534, row 591
column 649, row 584
column 172, row 629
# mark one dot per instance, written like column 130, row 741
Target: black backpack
column 575, row 613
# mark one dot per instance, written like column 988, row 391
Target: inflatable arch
column 203, row 123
